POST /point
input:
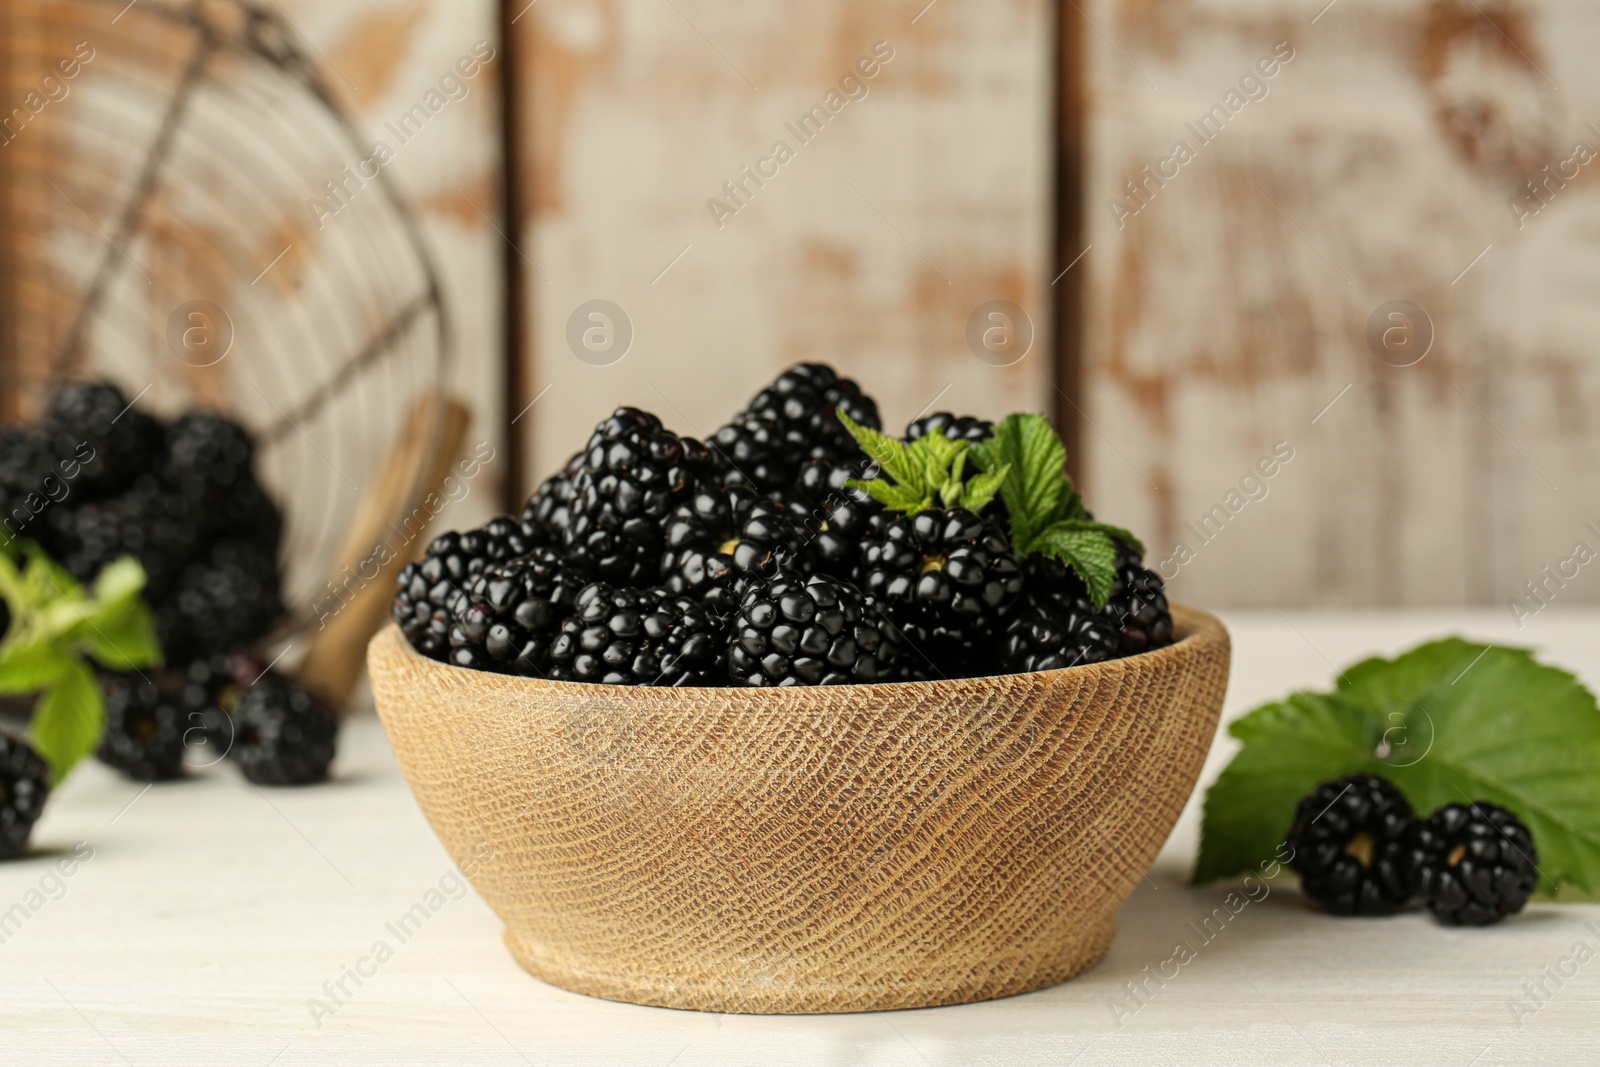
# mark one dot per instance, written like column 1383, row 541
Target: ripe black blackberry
column 1476, row 863
column 548, row 513
column 207, row 452
column 509, row 613
column 25, row 462
column 822, row 481
column 620, row 636
column 1045, row 634
column 211, row 689
column 1349, row 843
column 805, row 399
column 955, row 427
column 634, row 474
column 24, row 785
column 144, row 730
column 427, row 588
column 224, row 600
column 126, row 441
column 281, row 734
column 158, row 527
column 1138, row 606
column 719, row 538
column 945, row 578
column 834, row 530
column 808, row 631
column 753, row 451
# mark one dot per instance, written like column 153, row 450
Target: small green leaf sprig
column 57, row 628
column 926, row 473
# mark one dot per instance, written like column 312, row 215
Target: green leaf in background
column 68, row 720
column 1448, row 722
column 31, row 667
column 1087, row 550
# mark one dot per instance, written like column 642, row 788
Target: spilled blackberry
column 753, row 451
column 945, row 577
column 808, row 631
column 508, row 614
column 1349, row 843
column 1477, row 864
column 126, row 441
column 427, row 588
column 1138, row 606
column 634, row 474
column 1044, row 634
column 212, row 689
column 144, row 730
column 548, row 513
column 224, row 600
column 804, row 401
column 718, row 539
column 622, row 636
column 24, row 785
column 281, row 734
column 955, row 427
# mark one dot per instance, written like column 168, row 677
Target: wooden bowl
column 847, row 848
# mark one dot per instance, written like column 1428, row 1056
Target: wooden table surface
column 198, row 922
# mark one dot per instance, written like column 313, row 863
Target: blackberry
column 212, row 688
column 1045, row 634
column 822, row 481
column 126, row 441
column 719, row 538
column 634, row 474
column 159, row 528
column 804, row 401
column 208, row 454
column 1349, row 843
column 808, row 631
column 1477, row 864
column 548, row 513
column 24, row 785
column 955, row 427
column 752, row 451
column 144, row 731
column 282, row 735
column 835, row 529
column 25, row 463
column 1138, row 606
column 945, row 578
column 427, row 588
column 508, row 614
column 638, row 637
column 224, row 600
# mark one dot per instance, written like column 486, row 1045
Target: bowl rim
column 1192, row 624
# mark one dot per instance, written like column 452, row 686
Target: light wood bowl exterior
column 850, row 848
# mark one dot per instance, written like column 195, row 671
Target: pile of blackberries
column 97, row 479
column 1360, row 850
column 655, row 559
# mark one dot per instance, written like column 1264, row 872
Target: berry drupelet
column 816, row 631
column 24, row 785
column 804, row 401
column 548, row 513
column 1044, row 634
column 1477, row 864
column 1138, row 607
column 624, row 636
column 720, row 538
column 509, row 613
column 428, row 588
column 1349, row 843
column 753, row 451
column 955, row 427
column 634, row 475
column 144, row 730
column 281, row 734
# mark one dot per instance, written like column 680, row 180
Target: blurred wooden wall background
column 1220, row 313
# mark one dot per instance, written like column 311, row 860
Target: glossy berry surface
column 281, row 734
column 1350, row 844
column 955, row 427
column 24, row 785
column 1477, row 864
column 816, row 631
column 509, row 612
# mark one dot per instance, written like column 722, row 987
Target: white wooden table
column 210, row 913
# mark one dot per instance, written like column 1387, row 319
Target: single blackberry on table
column 24, row 785
column 281, row 734
column 1350, row 844
column 144, row 730
column 634, row 475
column 720, row 538
column 621, row 636
column 126, row 441
column 212, row 688
column 955, row 427
column 508, row 613
column 548, row 513
column 1044, row 634
column 808, row 631
column 1477, row 863
column 945, row 578
column 427, row 589
column 805, row 400
column 224, row 600
column 1138, row 606
column 752, row 451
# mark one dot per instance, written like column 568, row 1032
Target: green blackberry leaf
column 1033, row 494
column 1450, row 721
column 68, row 720
column 28, row 668
column 1086, row 549
column 893, row 497
column 929, row 471
column 980, row 489
column 888, row 453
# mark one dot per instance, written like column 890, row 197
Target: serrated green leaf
column 893, row 497
column 1448, row 722
column 68, row 720
column 1029, row 446
column 886, row 452
column 30, row 667
column 1116, row 533
column 124, row 637
column 980, row 489
column 1090, row 552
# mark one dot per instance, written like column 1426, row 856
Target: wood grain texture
column 808, row 850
